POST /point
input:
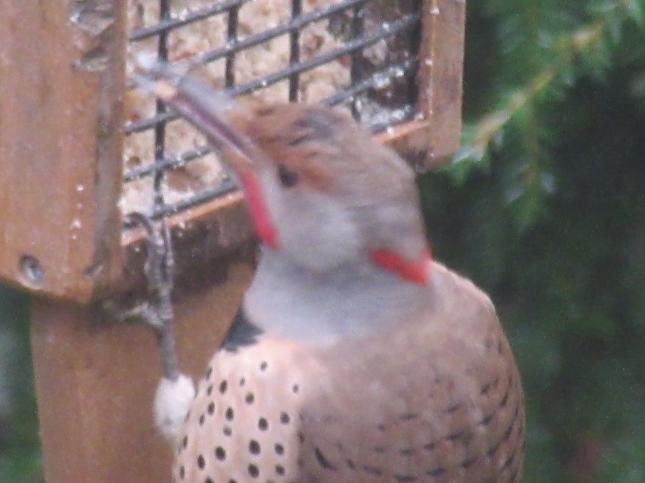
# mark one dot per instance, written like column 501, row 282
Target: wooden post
column 61, row 78
column 95, row 383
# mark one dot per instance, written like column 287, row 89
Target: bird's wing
column 436, row 400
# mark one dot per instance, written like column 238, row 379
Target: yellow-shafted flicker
column 354, row 356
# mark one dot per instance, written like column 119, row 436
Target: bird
column 354, row 356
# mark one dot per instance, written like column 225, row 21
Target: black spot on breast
column 223, row 386
column 254, row 471
column 220, row 453
column 230, row 414
column 254, row 447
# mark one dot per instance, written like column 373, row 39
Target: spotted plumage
column 411, row 404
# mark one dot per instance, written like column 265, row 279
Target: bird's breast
column 321, row 309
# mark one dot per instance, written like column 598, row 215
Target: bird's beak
column 205, row 108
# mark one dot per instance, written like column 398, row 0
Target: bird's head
column 321, row 191
column 325, row 193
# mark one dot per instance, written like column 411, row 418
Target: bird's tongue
column 257, row 207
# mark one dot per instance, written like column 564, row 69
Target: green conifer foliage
column 544, row 205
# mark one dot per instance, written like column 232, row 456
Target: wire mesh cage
column 99, row 148
column 359, row 54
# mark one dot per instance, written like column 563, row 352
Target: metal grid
column 387, row 87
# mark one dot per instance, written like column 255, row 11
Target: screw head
column 31, row 270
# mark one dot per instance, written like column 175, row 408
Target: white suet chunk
column 172, row 402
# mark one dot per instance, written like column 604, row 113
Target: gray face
column 315, row 230
column 333, row 193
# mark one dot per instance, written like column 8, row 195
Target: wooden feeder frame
column 61, row 140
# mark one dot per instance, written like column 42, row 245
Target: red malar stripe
column 416, row 271
column 259, row 212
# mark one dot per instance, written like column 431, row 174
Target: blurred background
column 544, row 207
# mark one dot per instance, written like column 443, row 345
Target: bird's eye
column 288, row 178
